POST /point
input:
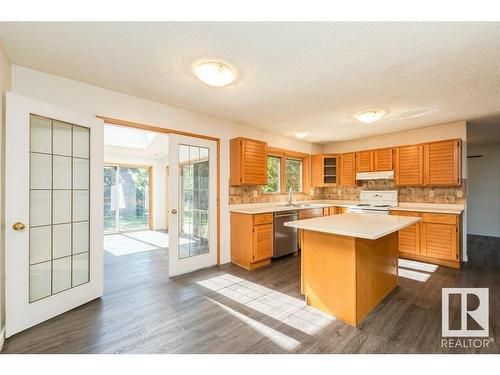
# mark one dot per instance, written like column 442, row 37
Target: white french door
column 53, row 211
column 192, row 203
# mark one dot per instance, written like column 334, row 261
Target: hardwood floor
column 143, row 311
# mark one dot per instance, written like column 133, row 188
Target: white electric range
column 376, row 201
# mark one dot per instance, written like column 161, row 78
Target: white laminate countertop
column 261, row 208
column 455, row 209
column 368, row 226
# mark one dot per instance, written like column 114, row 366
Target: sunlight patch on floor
column 282, row 307
column 277, row 337
column 158, row 239
column 419, row 266
column 119, row 244
column 414, row 275
column 411, row 269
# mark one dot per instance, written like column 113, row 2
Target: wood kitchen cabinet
column 409, row 165
column 310, row 213
column 348, row 169
column 324, row 170
column 442, row 163
column 252, row 238
column 440, row 236
column 409, row 238
column 248, row 162
column 364, row 161
column 436, row 239
column 382, row 159
column 337, row 210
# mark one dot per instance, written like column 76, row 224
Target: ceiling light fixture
column 370, row 116
column 301, row 134
column 214, row 73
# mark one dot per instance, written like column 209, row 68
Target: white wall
column 407, row 137
column 158, row 171
column 98, row 101
column 5, row 85
column 483, row 198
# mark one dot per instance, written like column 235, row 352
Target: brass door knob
column 18, row 226
column 173, row 211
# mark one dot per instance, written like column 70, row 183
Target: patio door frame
column 151, row 192
column 136, row 125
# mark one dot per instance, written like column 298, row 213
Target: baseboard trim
column 2, row 337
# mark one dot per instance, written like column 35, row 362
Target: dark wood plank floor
column 143, row 311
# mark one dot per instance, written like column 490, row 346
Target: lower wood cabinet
column 252, row 238
column 436, row 239
column 262, row 242
column 310, row 213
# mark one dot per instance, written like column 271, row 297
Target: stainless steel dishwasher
column 285, row 238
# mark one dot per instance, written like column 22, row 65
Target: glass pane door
column 193, row 193
column 59, row 207
column 193, row 204
column 126, row 198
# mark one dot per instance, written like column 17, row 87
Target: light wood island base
column 347, row 277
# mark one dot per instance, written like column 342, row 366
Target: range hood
column 382, row 175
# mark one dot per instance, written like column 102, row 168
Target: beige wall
column 90, row 99
column 5, row 83
column 420, row 135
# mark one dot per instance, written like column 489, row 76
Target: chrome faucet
column 290, row 196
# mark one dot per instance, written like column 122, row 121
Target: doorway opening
column 135, row 191
column 160, row 194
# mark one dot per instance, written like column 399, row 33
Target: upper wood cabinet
column 409, row 165
column 382, row 159
column 348, row 169
column 364, row 161
column 442, row 162
column 324, row 170
column 248, row 162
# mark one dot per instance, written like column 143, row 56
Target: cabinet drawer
column 439, row 218
column 263, row 219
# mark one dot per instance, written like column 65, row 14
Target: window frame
column 283, row 154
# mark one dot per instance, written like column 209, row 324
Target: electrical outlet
column 459, row 194
column 431, row 193
column 255, row 193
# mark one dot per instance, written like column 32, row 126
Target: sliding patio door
column 193, row 204
column 127, row 198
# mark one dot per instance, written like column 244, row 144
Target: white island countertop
column 368, row 226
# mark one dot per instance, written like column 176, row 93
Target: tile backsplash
column 241, row 195
column 409, row 194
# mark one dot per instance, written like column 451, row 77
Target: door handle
column 18, row 226
column 173, row 211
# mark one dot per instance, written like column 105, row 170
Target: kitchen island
column 349, row 262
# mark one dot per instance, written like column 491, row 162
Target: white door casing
column 20, row 313
column 178, row 265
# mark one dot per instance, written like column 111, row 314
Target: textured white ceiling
column 291, row 76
